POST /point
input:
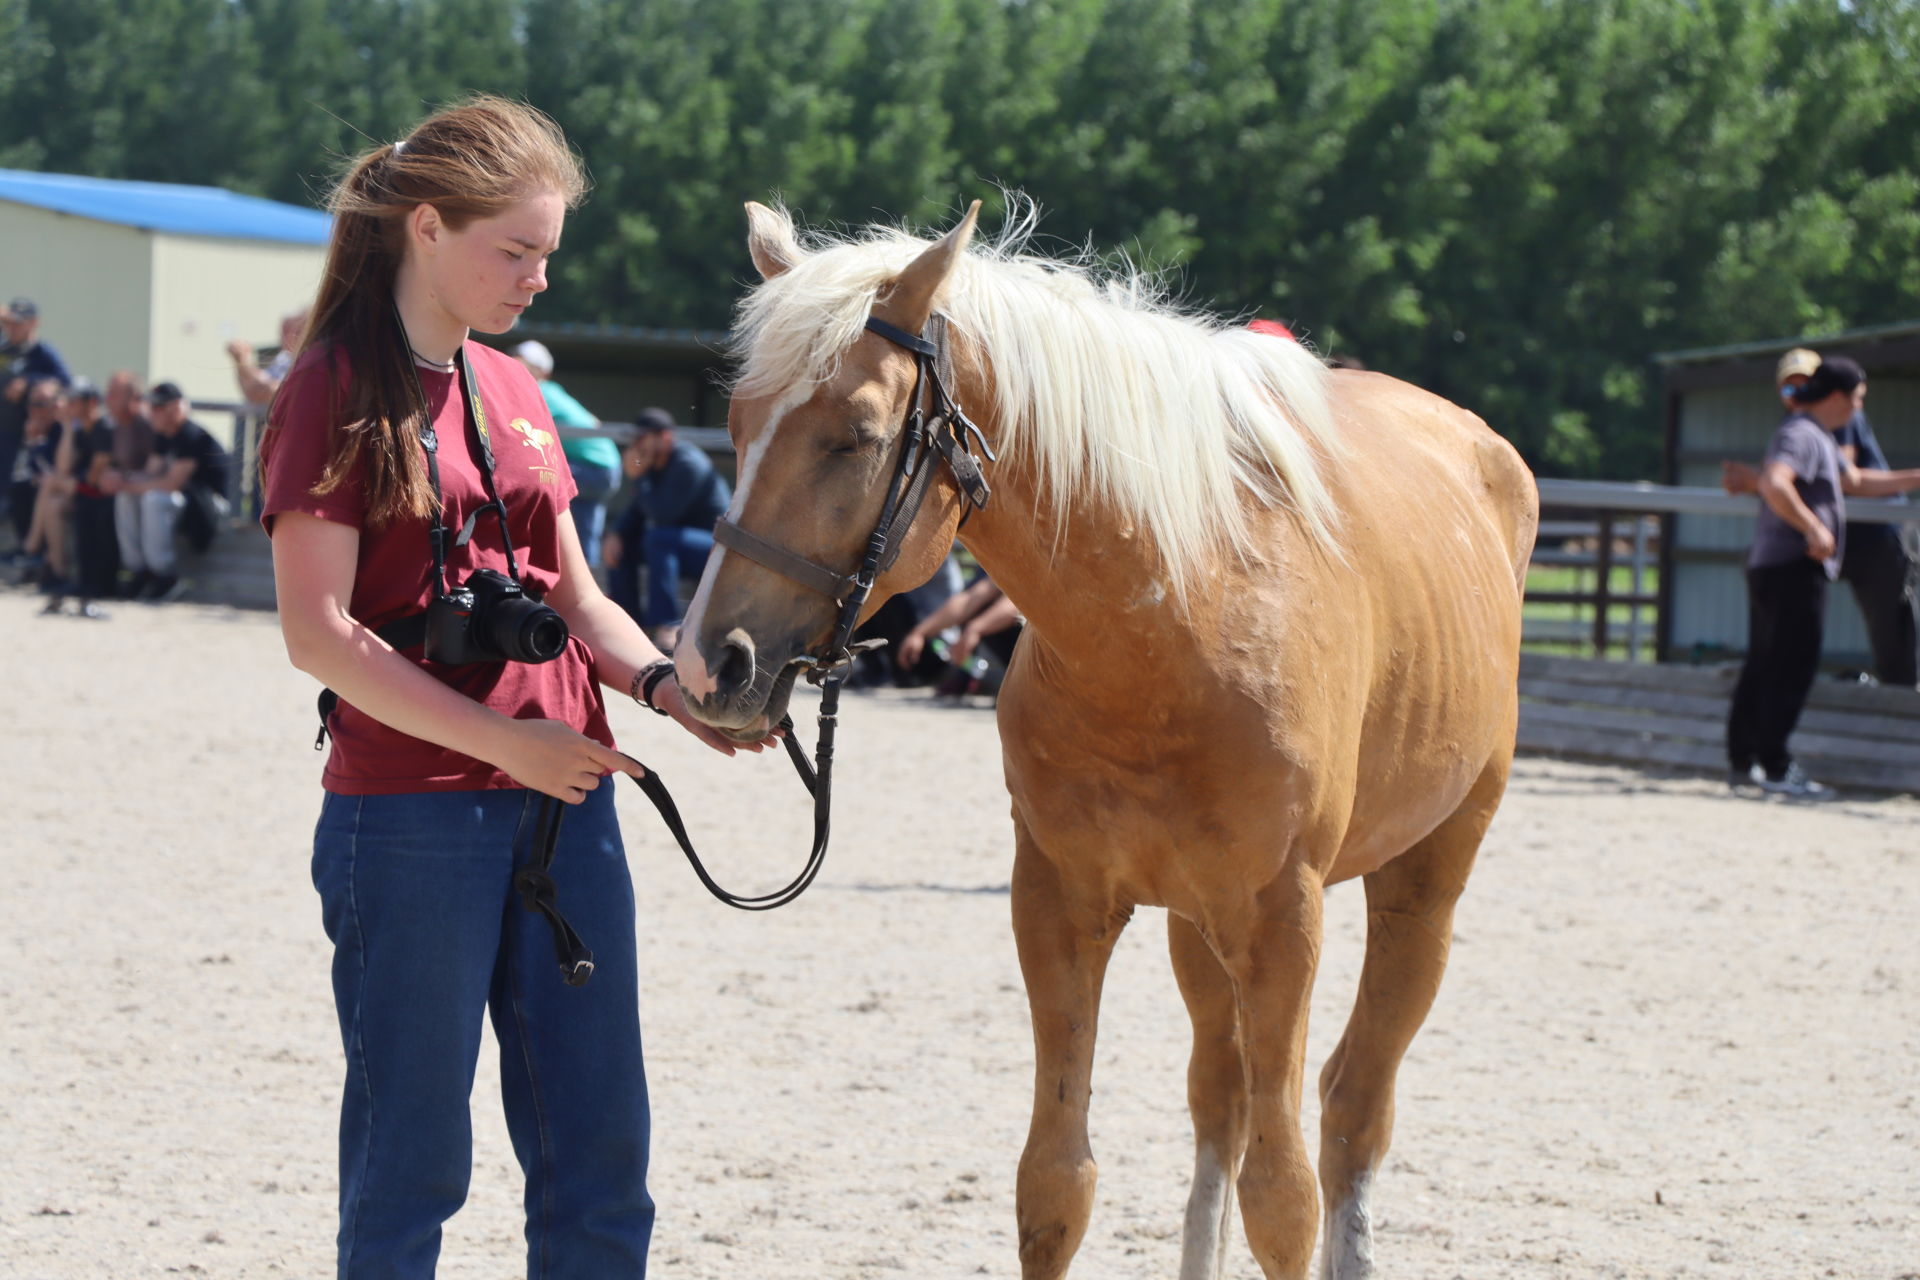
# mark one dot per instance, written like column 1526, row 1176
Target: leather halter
column 934, row 424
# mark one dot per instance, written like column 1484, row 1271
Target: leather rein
column 935, row 426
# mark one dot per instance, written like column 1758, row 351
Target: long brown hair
column 471, row 160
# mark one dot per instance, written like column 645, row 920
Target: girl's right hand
column 549, row 757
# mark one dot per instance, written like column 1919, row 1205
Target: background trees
column 1510, row 201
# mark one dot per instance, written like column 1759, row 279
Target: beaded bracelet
column 646, row 680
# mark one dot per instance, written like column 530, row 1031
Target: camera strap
column 438, row 536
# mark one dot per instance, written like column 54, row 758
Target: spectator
column 1875, row 563
column 32, row 488
column 893, row 621
column 594, row 460
column 978, row 614
column 83, row 463
column 257, row 384
column 1795, row 552
column 676, row 497
column 184, row 487
column 28, row 360
column 132, row 448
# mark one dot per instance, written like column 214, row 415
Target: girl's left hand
column 667, row 697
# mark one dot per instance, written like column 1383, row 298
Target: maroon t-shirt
column 394, row 577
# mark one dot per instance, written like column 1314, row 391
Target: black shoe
column 137, row 585
column 54, row 606
column 163, row 589
column 1747, row 779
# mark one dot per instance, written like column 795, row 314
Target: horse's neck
column 1087, row 584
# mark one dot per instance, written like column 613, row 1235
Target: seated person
column 674, row 498
column 979, row 614
column 184, row 487
column 34, row 498
column 84, row 457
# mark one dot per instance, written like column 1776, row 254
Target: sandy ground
column 1680, row 1036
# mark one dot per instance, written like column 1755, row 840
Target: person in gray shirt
column 1796, row 550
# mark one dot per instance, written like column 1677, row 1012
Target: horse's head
column 816, row 460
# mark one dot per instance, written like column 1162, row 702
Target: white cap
column 537, row 357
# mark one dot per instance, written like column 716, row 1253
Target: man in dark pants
column 1876, row 564
column 1795, row 553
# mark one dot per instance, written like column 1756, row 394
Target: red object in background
column 1273, row 327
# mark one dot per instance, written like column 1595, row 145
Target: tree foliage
column 1512, row 202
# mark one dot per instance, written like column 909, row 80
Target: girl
column 440, row 771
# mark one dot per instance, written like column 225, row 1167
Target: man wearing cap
column 28, row 360
column 593, row 460
column 677, row 495
column 83, row 461
column 1874, row 563
column 184, row 486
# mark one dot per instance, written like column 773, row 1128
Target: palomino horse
column 1273, row 627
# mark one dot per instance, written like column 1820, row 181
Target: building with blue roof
column 156, row 277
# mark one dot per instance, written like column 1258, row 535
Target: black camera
column 490, row 618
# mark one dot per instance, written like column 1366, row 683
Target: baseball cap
column 536, row 355
column 165, row 393
column 22, row 309
column 653, row 420
column 1799, row 362
column 81, row 389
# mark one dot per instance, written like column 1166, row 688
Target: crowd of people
column 101, row 484
column 1822, row 452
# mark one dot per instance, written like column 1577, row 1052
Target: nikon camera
column 490, row 618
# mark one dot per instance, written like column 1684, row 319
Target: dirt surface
column 1679, row 1036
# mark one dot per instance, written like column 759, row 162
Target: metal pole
column 1603, row 588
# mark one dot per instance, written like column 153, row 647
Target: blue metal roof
column 166, row 206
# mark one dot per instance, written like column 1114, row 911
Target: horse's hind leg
column 1409, row 929
column 1064, row 943
column 1216, row 1095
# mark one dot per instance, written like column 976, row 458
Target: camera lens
column 543, row 635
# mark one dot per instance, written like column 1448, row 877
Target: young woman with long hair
column 449, row 760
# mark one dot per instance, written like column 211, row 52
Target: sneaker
column 1747, row 779
column 92, row 611
column 1795, row 784
column 164, row 588
column 54, row 607
column 136, row 585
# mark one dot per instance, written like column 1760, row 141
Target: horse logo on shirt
column 542, row 439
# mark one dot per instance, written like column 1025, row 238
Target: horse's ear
column 770, row 240
column 910, row 302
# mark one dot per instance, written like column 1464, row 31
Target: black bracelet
column 647, row 679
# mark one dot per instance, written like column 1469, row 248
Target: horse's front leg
column 1064, row 940
column 1271, row 954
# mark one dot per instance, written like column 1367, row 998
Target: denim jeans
column 672, row 552
column 596, row 482
column 428, row 935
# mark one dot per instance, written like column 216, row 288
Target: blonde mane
column 1108, row 390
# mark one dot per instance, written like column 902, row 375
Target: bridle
column 935, row 425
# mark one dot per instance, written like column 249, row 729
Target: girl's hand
column 666, row 696
column 549, row 757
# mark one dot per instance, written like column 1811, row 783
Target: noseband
column 934, row 424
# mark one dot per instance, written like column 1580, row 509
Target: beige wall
column 91, row 282
column 207, row 292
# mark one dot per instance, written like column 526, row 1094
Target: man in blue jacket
column 676, row 495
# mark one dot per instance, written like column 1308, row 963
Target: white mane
column 1106, row 388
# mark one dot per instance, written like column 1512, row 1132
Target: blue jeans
column 596, row 482
column 671, row 552
column 428, row 935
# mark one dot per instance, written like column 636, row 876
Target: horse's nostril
column 733, row 671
